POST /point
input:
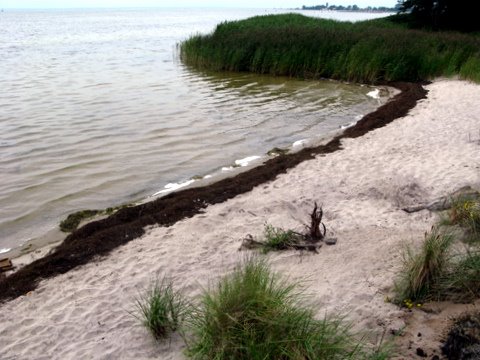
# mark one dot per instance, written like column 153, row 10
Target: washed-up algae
column 98, row 238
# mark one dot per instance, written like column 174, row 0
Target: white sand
column 432, row 152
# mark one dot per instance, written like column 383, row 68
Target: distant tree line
column 350, row 8
column 459, row 15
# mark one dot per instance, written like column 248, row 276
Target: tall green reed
column 300, row 46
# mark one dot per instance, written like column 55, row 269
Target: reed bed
column 300, row 46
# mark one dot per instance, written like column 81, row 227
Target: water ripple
column 96, row 110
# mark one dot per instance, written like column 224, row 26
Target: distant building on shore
column 350, row 8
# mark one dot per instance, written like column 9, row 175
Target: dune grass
column 462, row 282
column 436, row 272
column 423, row 269
column 305, row 47
column 161, row 309
column 253, row 314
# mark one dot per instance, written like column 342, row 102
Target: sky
column 47, row 4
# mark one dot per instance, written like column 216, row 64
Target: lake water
column 96, row 110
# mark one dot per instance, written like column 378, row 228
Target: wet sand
column 100, row 237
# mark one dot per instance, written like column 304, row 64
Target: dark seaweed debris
column 98, row 238
column 463, row 341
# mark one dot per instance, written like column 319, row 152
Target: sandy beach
column 431, row 152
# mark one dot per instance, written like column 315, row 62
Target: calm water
column 96, row 110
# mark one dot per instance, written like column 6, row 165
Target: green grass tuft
column 306, row 47
column 435, row 272
column 161, row 309
column 462, row 282
column 423, row 270
column 466, row 213
column 278, row 239
column 253, row 314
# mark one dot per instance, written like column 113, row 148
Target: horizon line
column 144, row 7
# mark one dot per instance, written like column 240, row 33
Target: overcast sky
column 42, row 4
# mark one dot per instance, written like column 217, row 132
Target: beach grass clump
column 276, row 238
column 161, row 309
column 466, row 213
column 462, row 282
column 253, row 314
column 424, row 269
column 306, row 47
column 436, row 272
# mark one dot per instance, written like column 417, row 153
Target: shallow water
column 96, row 110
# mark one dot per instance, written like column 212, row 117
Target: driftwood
column 315, row 223
column 249, row 243
column 5, row 265
column 311, row 241
column 465, row 193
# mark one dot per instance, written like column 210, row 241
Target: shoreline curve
column 100, row 237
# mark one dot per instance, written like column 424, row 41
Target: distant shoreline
column 351, row 11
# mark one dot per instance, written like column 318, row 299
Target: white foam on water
column 352, row 123
column 247, row 160
column 174, row 186
column 346, row 126
column 374, row 94
column 298, row 143
column 4, row 250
